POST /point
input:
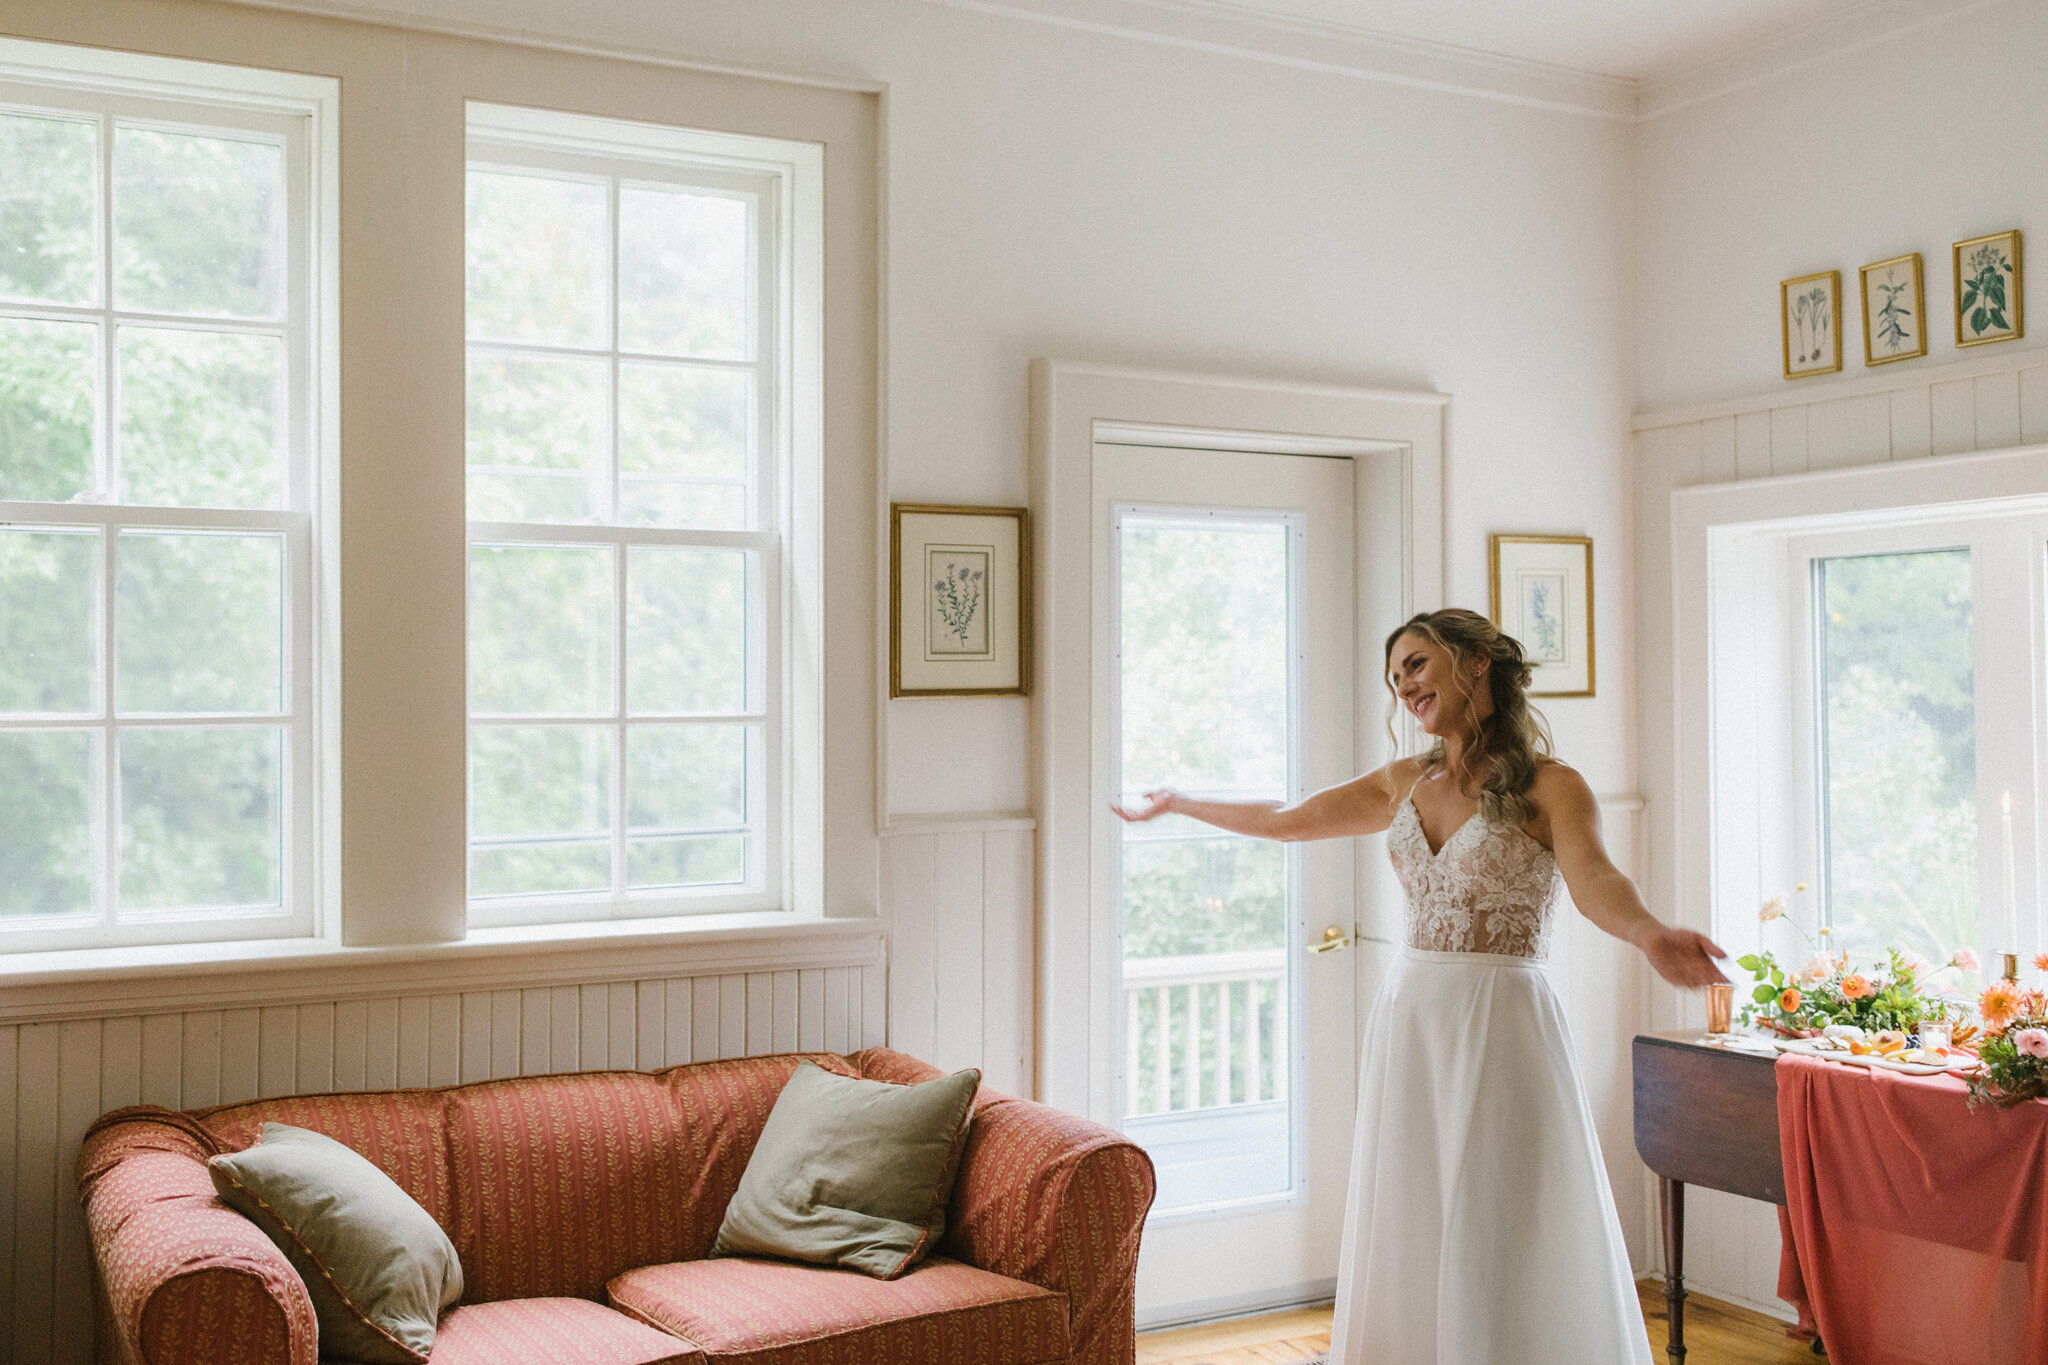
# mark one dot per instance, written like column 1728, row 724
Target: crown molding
column 1232, row 28
column 399, row 17
column 1223, row 28
column 1786, row 53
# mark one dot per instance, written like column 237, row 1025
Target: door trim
column 1396, row 439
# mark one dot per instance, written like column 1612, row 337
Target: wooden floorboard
column 1716, row 1333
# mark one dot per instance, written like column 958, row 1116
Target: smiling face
column 1443, row 697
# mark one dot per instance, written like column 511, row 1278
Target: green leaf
column 1764, row 995
column 1749, row 962
column 1777, row 978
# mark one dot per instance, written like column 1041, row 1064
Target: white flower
column 1818, row 968
column 1773, row 908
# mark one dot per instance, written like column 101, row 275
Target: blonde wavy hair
column 1505, row 745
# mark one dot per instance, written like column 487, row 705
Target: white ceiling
column 1627, row 38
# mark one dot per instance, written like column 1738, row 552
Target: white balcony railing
column 1204, row 1032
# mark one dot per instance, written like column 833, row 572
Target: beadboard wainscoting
column 57, row 1074
column 1903, row 412
column 961, row 948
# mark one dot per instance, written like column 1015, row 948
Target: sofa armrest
column 185, row 1278
column 1051, row 1198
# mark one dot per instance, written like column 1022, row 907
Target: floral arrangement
column 2015, row 1043
column 1894, row 995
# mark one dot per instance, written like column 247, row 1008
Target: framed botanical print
column 1810, row 323
column 1543, row 596
column 959, row 601
column 1988, row 281
column 1894, row 310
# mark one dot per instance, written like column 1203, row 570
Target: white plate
column 1809, row 1047
column 1805, row 1047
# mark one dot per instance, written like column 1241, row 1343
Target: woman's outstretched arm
column 1364, row 805
column 1604, row 895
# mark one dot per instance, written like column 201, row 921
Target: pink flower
column 2032, row 1041
column 1966, row 959
column 2041, row 962
column 1916, row 964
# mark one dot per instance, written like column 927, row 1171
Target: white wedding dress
column 1480, row 1228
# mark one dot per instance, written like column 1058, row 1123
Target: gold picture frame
column 1542, row 594
column 1890, row 331
column 1810, row 317
column 960, row 581
column 1995, row 278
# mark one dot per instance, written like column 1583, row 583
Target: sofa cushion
column 562, row 1182
column 554, row 1332
column 379, row 1270
column 851, row 1172
column 401, row 1132
column 748, row 1312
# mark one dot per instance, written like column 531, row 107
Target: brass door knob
column 1333, row 940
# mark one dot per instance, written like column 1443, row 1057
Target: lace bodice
column 1490, row 889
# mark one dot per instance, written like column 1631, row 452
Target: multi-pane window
column 629, row 379
column 156, row 668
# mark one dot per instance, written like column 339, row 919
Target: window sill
column 90, row 983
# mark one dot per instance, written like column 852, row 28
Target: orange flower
column 1790, row 1001
column 1855, row 986
column 2041, row 962
column 1999, row 1003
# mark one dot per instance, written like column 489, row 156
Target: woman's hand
column 1681, row 956
column 1157, row 803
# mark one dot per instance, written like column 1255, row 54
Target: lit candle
column 2012, row 913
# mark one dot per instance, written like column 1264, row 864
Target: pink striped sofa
column 583, row 1207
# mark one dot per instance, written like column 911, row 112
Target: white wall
column 1906, row 143
column 1909, row 143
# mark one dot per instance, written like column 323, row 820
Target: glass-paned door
column 1227, row 591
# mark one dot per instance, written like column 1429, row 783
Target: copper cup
column 1720, row 1005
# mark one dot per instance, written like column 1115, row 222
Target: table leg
column 1671, row 1195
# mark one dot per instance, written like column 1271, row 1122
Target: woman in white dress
column 1480, row 1228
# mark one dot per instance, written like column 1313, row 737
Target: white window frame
column 300, row 113
column 1747, row 740
column 786, row 181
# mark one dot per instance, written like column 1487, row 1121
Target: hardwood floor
column 1716, row 1333
column 1270, row 1339
column 1719, row 1333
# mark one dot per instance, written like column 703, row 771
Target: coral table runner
column 1916, row 1229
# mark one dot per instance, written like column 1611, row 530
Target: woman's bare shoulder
column 1400, row 776
column 1558, row 782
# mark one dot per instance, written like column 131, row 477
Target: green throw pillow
column 851, row 1172
column 377, row 1265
